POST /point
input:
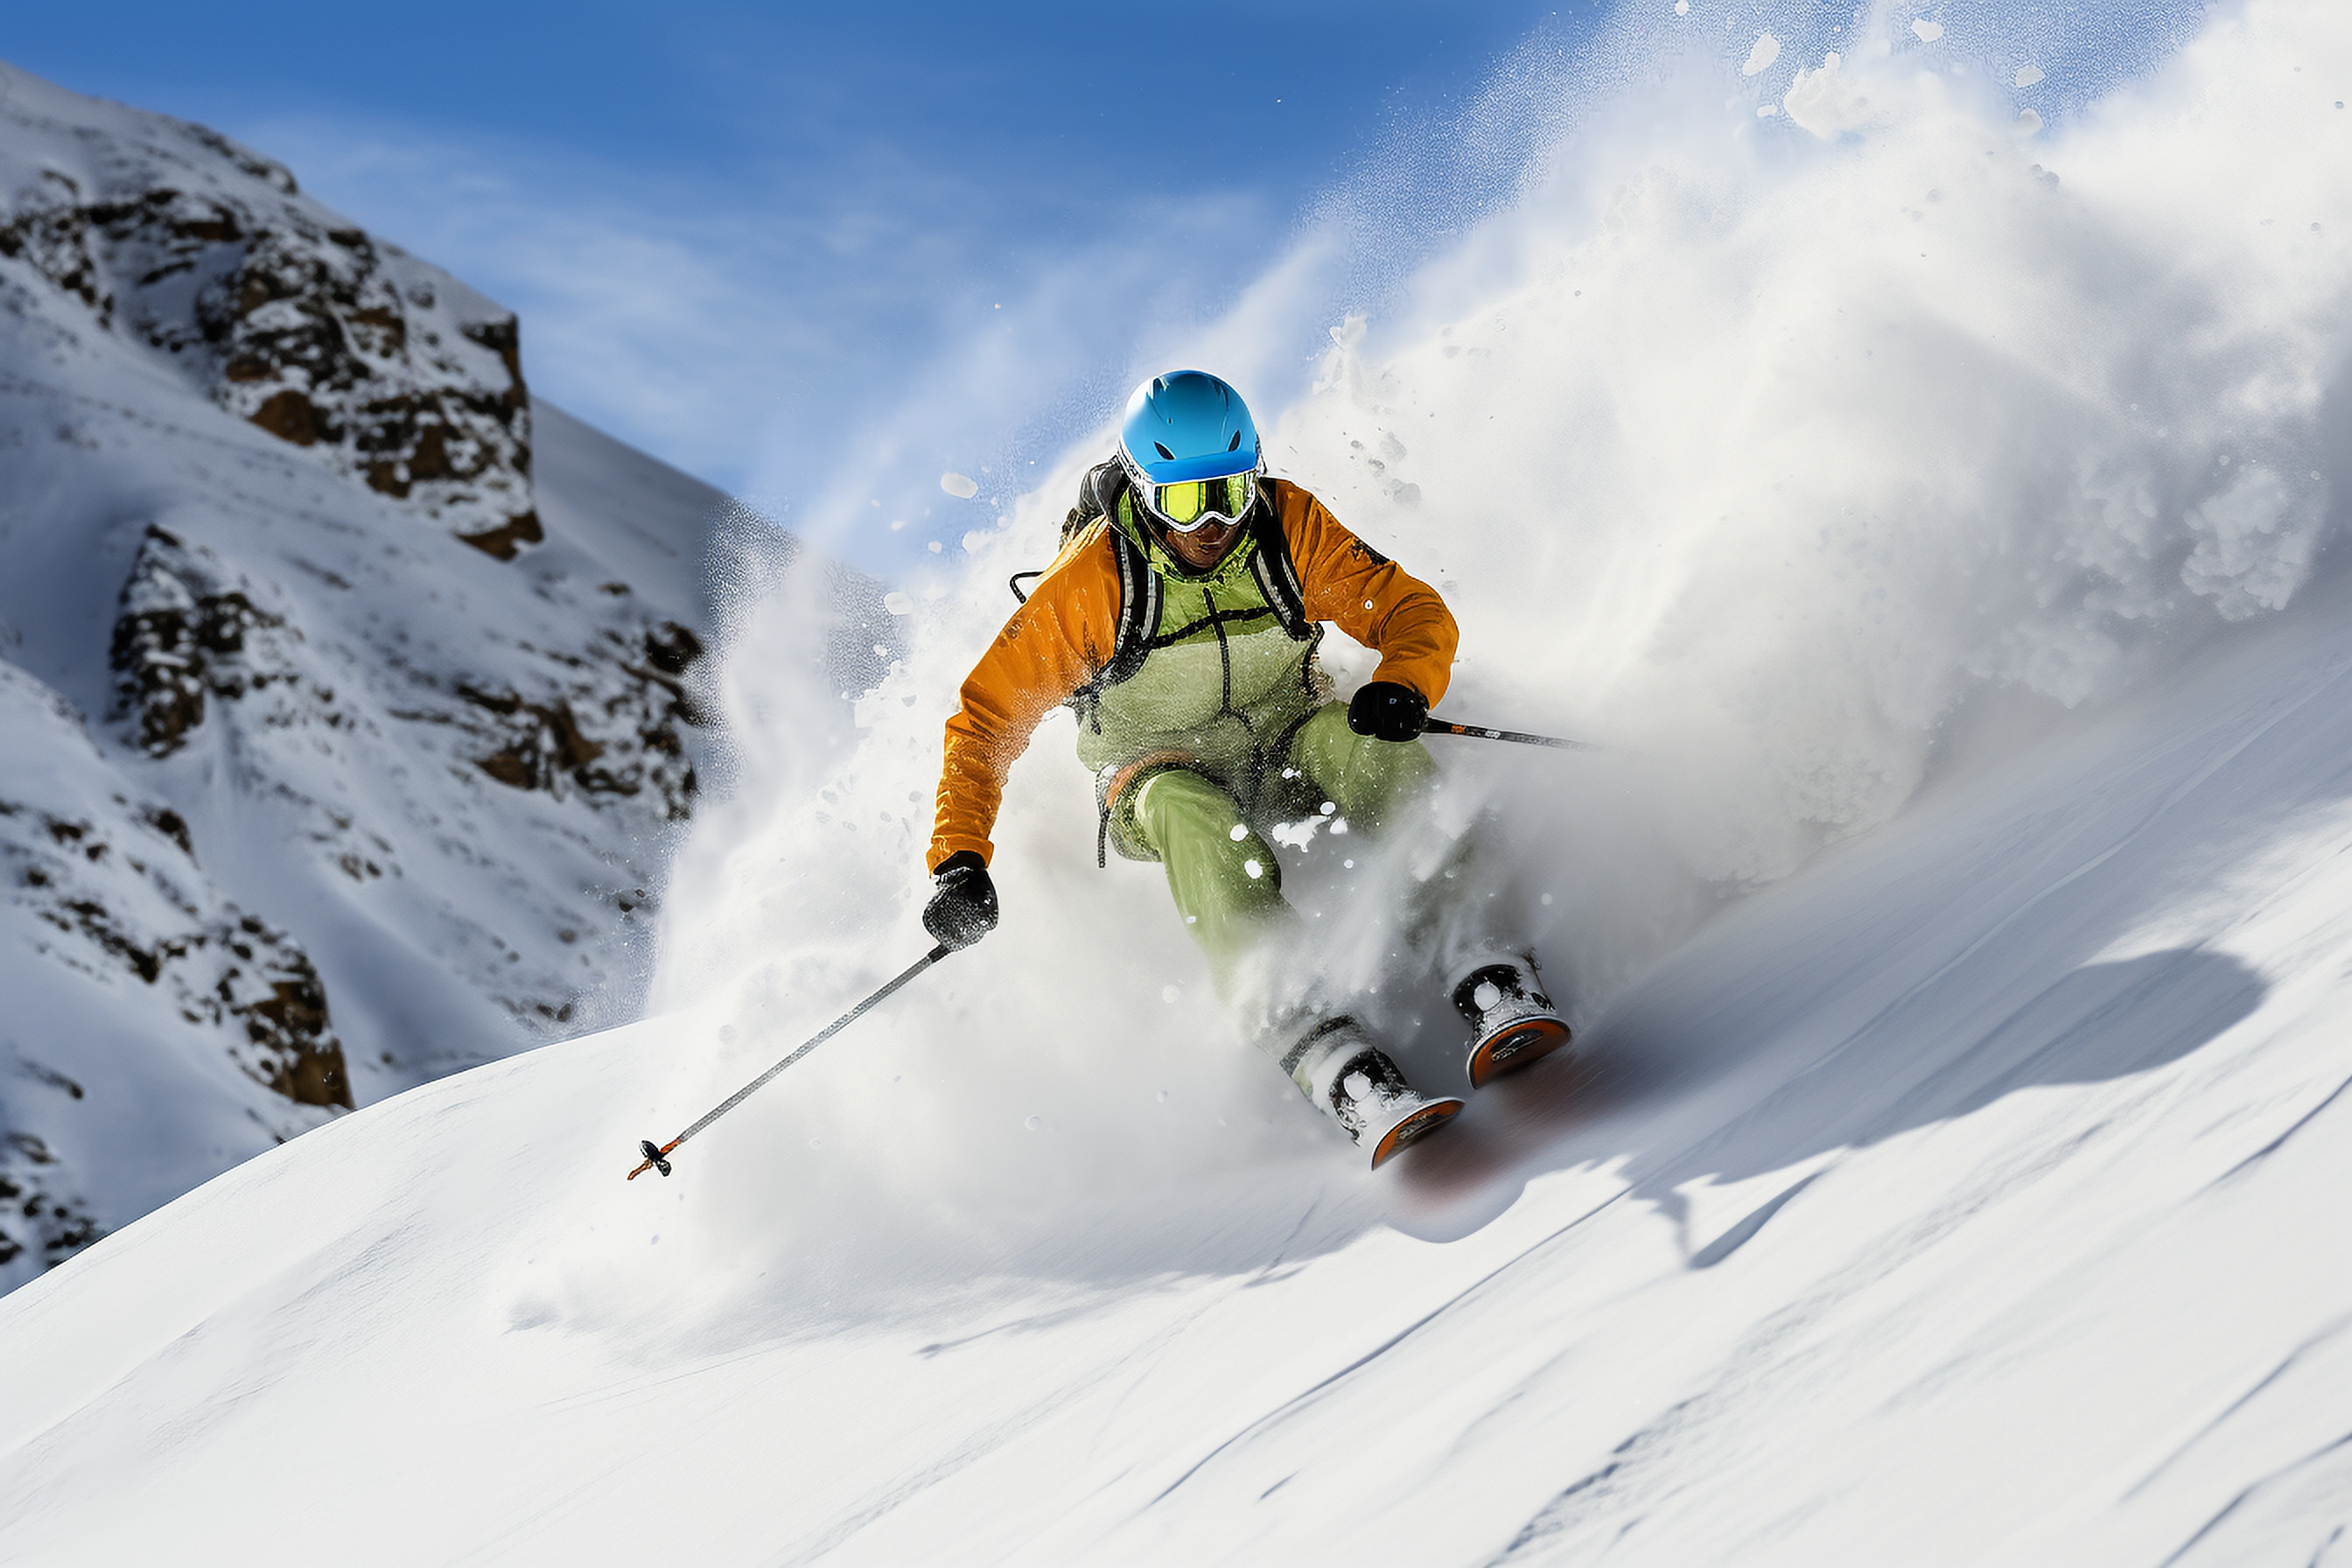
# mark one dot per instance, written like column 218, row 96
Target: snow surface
column 1970, row 1196
column 1943, row 535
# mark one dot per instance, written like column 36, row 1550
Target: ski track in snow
column 1963, row 1190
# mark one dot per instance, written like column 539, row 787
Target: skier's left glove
column 963, row 909
column 1388, row 710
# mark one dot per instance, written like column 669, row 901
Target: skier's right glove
column 963, row 909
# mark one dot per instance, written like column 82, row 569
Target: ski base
column 1521, row 1043
column 1413, row 1126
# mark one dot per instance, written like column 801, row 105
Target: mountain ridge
column 411, row 662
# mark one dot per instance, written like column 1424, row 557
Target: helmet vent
column 1164, row 452
column 1235, row 444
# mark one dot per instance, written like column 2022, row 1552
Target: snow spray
column 1837, row 401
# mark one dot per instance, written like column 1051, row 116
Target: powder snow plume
column 1799, row 436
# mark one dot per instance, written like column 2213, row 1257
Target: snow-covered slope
column 1938, row 520
column 344, row 711
column 1971, row 1197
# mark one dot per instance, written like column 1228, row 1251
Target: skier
column 1180, row 621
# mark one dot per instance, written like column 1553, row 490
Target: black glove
column 964, row 909
column 1386, row 709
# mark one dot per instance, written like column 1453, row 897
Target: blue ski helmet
column 1180, row 429
column 1188, row 425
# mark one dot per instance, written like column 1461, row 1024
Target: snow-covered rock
column 274, row 308
column 406, row 666
column 109, row 926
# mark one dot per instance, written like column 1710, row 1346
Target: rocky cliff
column 278, row 311
column 348, row 698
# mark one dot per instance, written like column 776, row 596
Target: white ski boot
column 1341, row 1071
column 1512, row 1022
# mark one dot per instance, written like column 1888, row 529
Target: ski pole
column 657, row 1159
column 1440, row 726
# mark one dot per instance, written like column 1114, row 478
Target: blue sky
column 819, row 254
column 777, row 245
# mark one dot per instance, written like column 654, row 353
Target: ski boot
column 1512, row 1022
column 1341, row 1071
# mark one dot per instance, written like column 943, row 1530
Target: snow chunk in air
column 1828, row 103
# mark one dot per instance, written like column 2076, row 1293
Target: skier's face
column 1204, row 546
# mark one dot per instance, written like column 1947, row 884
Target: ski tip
column 1413, row 1127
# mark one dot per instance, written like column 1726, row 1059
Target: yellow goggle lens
column 1183, row 504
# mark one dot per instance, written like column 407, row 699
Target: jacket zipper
column 1224, row 656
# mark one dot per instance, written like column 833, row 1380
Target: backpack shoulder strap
column 1277, row 576
column 1140, row 593
column 1139, row 605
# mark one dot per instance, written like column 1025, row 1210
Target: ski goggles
column 1192, row 504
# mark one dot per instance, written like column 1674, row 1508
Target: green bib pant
column 1221, row 873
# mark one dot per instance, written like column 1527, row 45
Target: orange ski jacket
column 1063, row 637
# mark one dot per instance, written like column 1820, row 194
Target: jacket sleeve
column 1370, row 598
column 1052, row 646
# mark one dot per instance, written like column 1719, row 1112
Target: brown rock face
column 36, row 1216
column 606, row 726
column 288, row 414
column 114, row 893
column 295, row 1050
column 184, row 633
column 507, row 541
column 318, row 347
column 312, row 331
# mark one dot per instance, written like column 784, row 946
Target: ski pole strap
column 1479, row 732
column 658, row 1158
